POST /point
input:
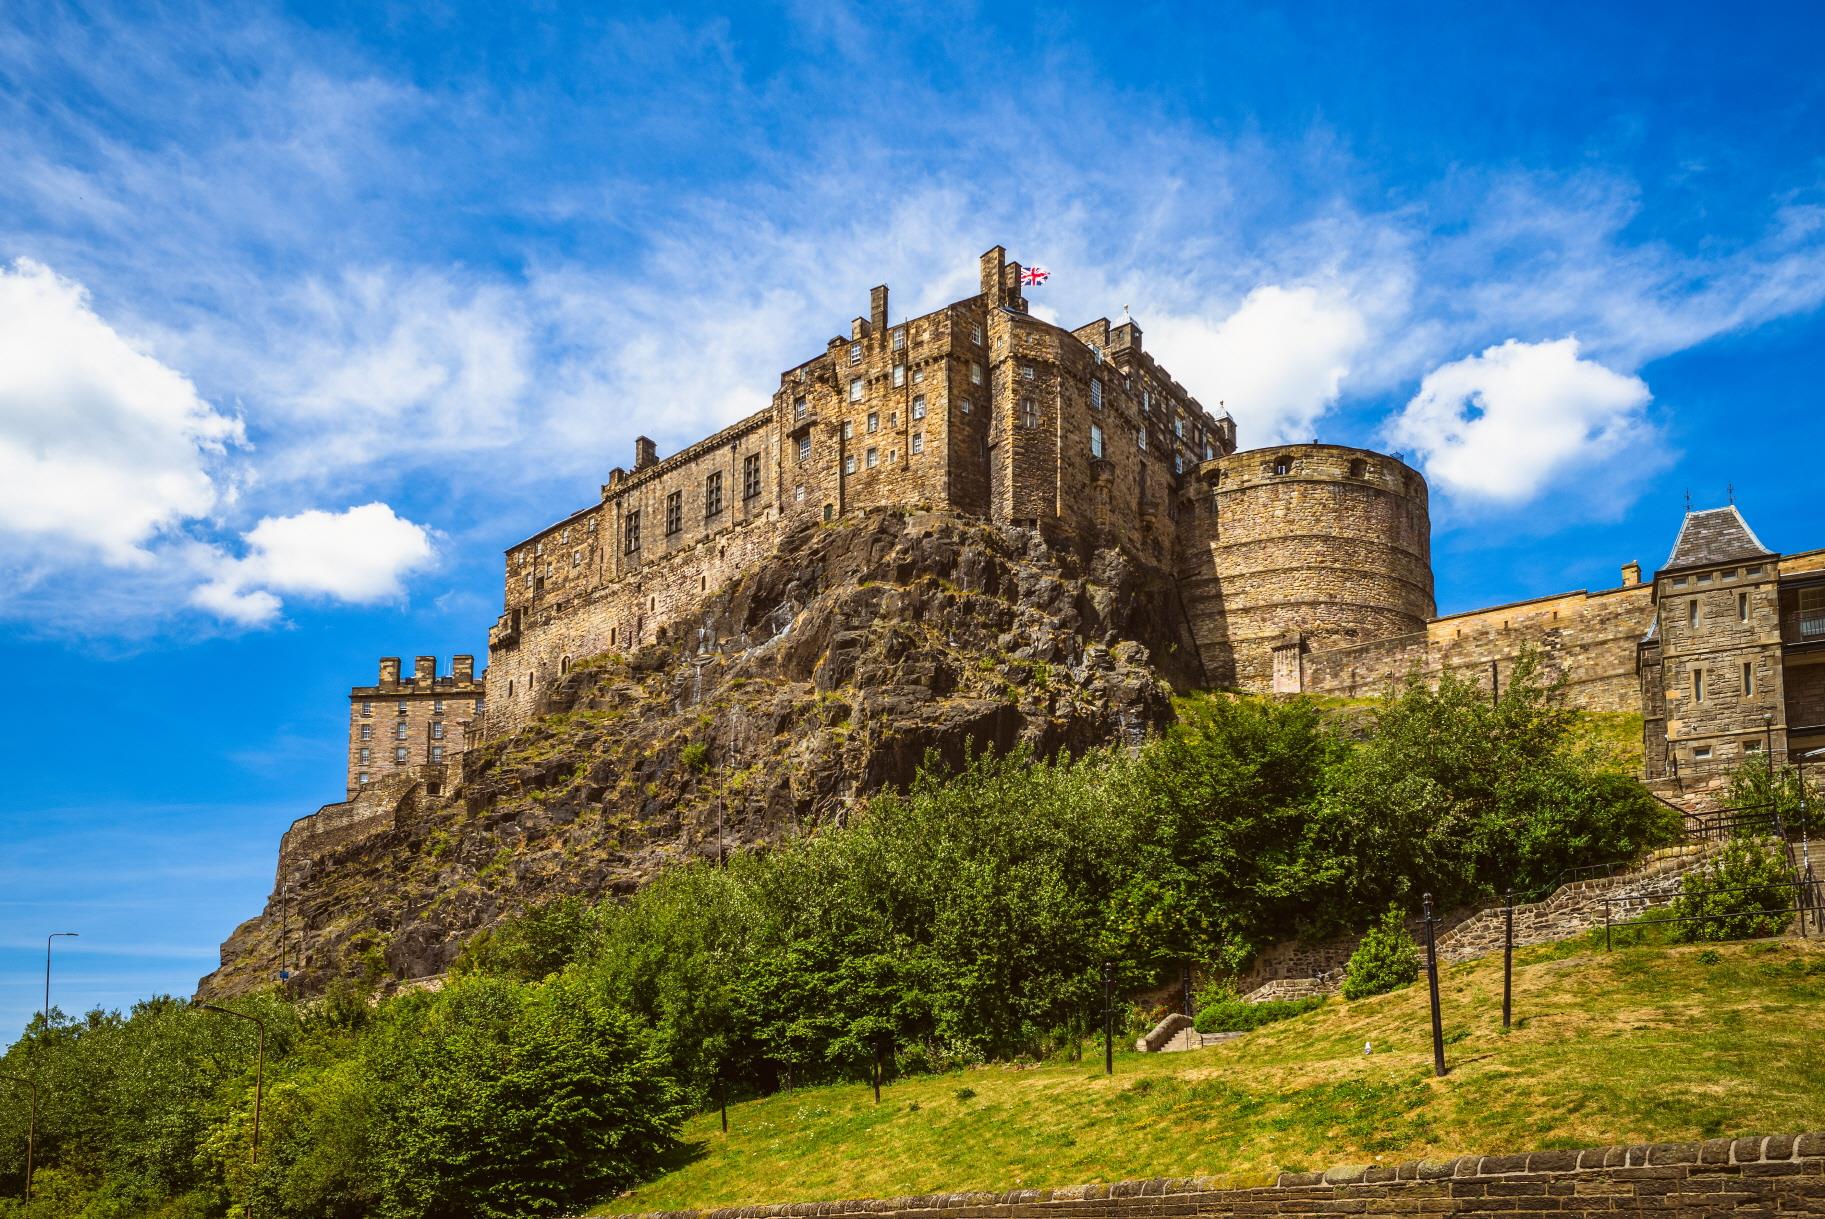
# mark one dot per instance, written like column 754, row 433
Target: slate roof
column 1713, row 536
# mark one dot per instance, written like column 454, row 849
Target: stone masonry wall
column 1763, row 1175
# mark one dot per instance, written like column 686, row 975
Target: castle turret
column 1310, row 547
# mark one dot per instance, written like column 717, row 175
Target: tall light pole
column 259, row 1086
column 47, row 972
column 1805, row 829
column 31, row 1129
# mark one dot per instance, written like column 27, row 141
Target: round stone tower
column 1308, row 547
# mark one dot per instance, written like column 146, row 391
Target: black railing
column 1805, row 907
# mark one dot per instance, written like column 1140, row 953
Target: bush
column 1731, row 900
column 1387, row 959
column 1235, row 1016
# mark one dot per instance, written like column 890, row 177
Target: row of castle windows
column 1742, row 610
column 712, row 501
column 367, row 707
column 1704, row 577
column 1748, row 688
column 401, row 729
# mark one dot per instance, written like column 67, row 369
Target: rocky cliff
column 823, row 675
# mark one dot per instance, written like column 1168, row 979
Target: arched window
column 564, row 665
column 1283, row 465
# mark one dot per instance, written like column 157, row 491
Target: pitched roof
column 1714, row 535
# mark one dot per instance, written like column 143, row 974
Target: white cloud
column 1501, row 427
column 101, row 445
column 1278, row 362
column 357, row 556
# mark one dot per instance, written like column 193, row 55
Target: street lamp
column 1799, row 761
column 259, row 1087
column 47, row 972
column 31, row 1129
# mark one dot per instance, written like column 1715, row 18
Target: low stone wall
column 1782, row 1173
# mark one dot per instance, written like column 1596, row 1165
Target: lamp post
column 1438, row 1031
column 31, row 1129
column 259, row 1086
column 1799, row 762
column 47, row 971
column 1768, row 748
column 1108, row 1017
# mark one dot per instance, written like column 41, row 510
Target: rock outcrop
column 822, row 676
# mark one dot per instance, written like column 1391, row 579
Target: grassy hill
column 1645, row 1043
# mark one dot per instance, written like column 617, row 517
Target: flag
column 1032, row 277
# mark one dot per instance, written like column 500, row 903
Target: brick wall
column 1761, row 1175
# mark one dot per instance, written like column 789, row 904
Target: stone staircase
column 1175, row 1032
column 1570, row 910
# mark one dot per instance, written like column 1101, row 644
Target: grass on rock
column 1643, row 1044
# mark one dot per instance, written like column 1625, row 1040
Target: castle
column 1300, row 567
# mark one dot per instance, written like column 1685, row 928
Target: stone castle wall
column 1762, row 1175
column 1312, row 547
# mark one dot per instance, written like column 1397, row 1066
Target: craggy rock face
column 824, row 675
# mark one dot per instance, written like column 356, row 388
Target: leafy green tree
column 1386, row 959
column 1747, row 892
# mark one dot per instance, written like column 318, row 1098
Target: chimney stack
column 994, row 290
column 645, row 452
column 877, row 308
column 389, row 671
column 424, row 669
column 1631, row 574
column 462, row 668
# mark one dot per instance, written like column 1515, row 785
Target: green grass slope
column 1643, row 1044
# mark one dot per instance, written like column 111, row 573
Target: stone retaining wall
column 1764, row 1175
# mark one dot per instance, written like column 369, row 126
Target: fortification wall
column 1761, row 1175
column 372, row 810
column 1322, row 544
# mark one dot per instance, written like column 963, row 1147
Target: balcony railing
column 1806, row 626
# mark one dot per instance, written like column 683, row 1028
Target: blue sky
column 307, row 313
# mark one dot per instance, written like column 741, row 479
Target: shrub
column 1732, row 899
column 1387, row 959
column 1235, row 1016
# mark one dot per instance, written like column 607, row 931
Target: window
column 1096, row 393
column 798, row 494
column 874, row 421
column 800, row 408
column 1178, row 428
column 1146, row 401
column 576, row 558
column 976, row 335
column 1679, row 581
column 399, row 755
column 1698, row 685
column 1096, row 441
column 1742, row 607
column 1752, row 746
column 855, row 354
column 437, row 753
column 804, row 449
column 712, row 494
column 674, row 512
column 830, row 512
column 399, row 730
column 855, row 390
column 529, row 578
column 367, row 755
column 918, row 407
column 1358, row 467
column 1703, row 577
column 849, row 464
column 633, row 531
column 1026, row 372
column 1283, row 466
column 367, row 732
column 362, row 777
column 402, row 706
column 750, row 476
column 1701, row 753
column 437, row 730
column 975, row 374
column 1748, row 679
column 918, row 443
column 848, row 429
column 437, row 706
column 1178, row 463
column 1753, row 571
column 874, row 458
column 918, row 376
column 899, row 339
column 899, row 375
column 963, row 406
column 367, row 709
column 1140, row 438
column 1029, row 413
column 1692, row 613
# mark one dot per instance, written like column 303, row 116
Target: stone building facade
column 415, row 724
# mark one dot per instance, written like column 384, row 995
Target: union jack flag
column 1032, row 277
